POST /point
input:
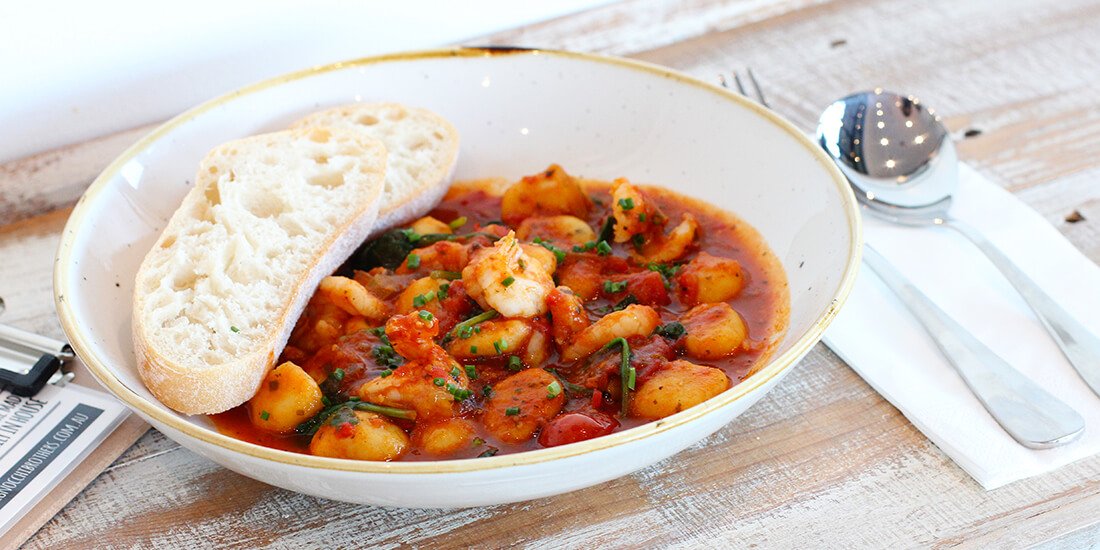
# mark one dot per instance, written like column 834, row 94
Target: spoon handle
column 1033, row 417
column 1080, row 346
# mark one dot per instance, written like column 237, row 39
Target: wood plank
column 55, row 179
column 822, row 460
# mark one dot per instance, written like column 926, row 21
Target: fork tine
column 756, row 86
column 740, row 86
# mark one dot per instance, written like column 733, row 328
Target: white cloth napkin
column 876, row 335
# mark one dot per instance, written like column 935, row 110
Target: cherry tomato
column 573, row 427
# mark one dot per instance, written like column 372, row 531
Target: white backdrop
column 72, row 70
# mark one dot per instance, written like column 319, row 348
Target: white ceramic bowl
column 517, row 111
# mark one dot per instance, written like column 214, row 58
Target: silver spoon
column 902, row 164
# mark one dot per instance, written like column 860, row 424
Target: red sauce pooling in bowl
column 763, row 304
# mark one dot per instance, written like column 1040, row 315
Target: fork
column 741, row 87
column 1032, row 416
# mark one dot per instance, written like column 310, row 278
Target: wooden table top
column 821, row 460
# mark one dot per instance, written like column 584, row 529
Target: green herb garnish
column 264, row 415
column 449, row 275
column 553, row 390
column 607, row 232
column 413, row 261
column 234, row 329
column 426, row 315
column 511, row 411
column 515, row 363
column 672, row 331
column 559, row 254
column 507, row 282
column 612, row 287
column 603, row 249
column 465, row 328
column 627, row 372
column 471, row 372
column 457, row 222
column 627, row 203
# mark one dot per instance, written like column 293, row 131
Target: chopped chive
column 515, row 363
column 553, row 390
column 439, row 382
column 507, row 282
column 413, row 261
column 471, row 372
column 612, row 287
column 559, row 254
column 421, row 299
column 608, row 229
column 463, row 329
column 449, row 275
column 411, row 235
column 338, row 375
column 627, row 372
column 455, row 373
column 522, row 264
column 672, row 330
column 264, row 415
column 457, row 222
column 234, row 329
column 473, row 349
column 603, row 249
column 627, row 203
column 511, row 411
column 426, row 315
column 641, row 217
column 386, row 411
column 637, row 240
column 500, row 345
column 487, row 391
column 443, row 290
column 385, row 373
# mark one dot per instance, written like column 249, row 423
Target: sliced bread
column 422, row 147
column 269, row 216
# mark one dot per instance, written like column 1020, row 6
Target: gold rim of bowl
column 79, row 339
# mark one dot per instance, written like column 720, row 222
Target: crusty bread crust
column 422, row 148
column 193, row 380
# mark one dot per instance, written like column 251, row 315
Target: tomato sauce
column 763, row 303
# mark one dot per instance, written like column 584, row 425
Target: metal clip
column 29, row 361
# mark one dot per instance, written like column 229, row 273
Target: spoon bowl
column 900, row 161
column 893, row 149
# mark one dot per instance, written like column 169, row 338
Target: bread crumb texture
column 217, row 284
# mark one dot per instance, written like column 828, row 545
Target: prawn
column 634, row 320
column 503, row 277
column 430, row 382
column 667, row 248
column 633, row 213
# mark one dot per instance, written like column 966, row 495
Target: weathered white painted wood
column 822, row 460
